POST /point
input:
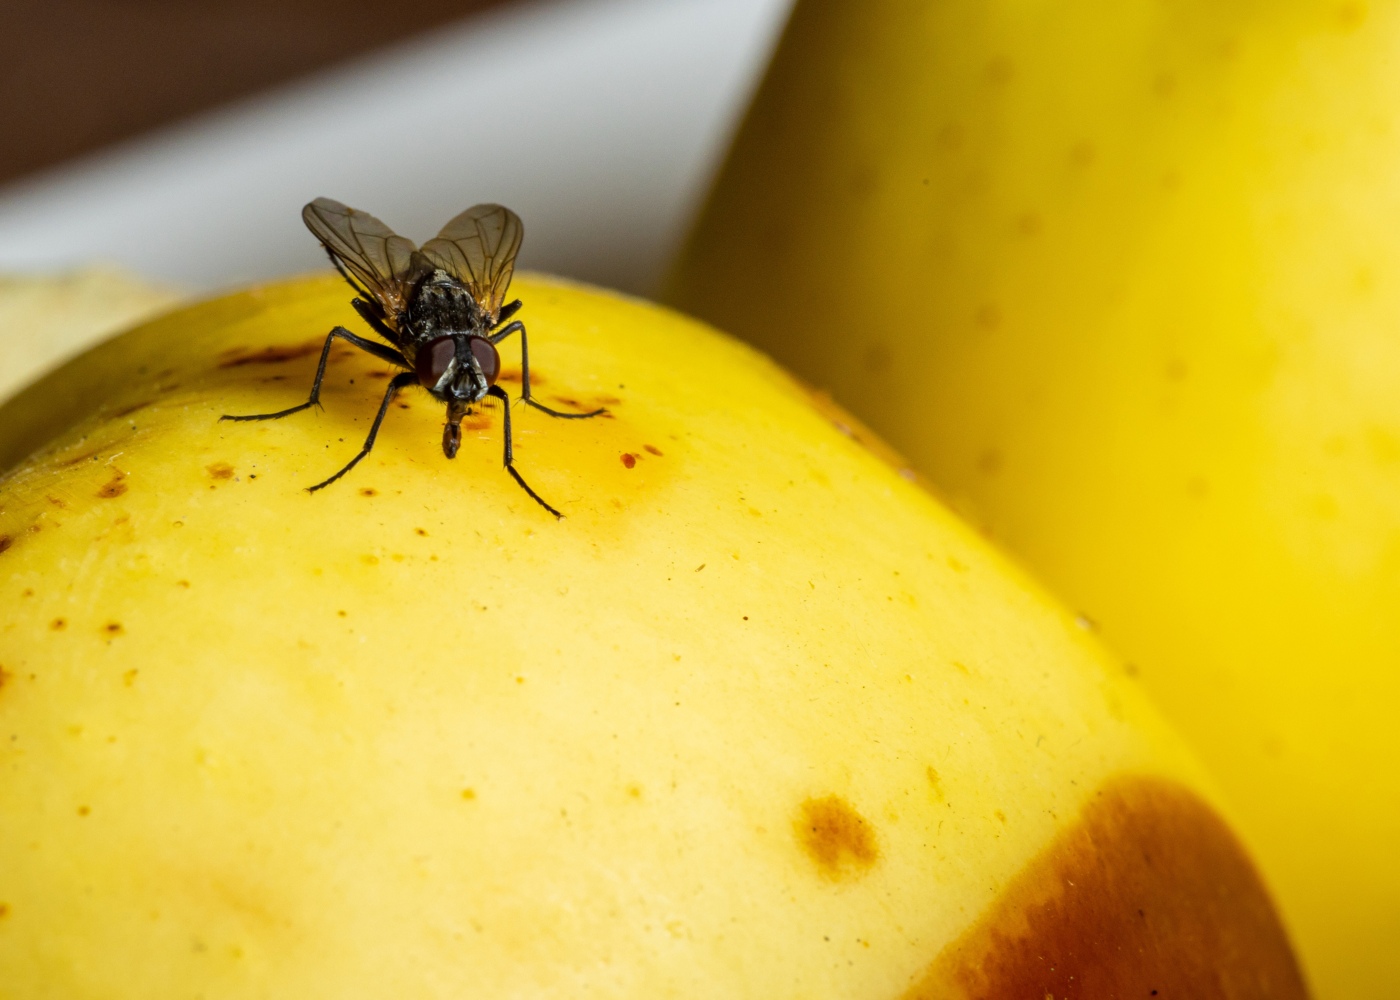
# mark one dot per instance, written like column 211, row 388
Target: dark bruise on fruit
column 1147, row 894
column 275, row 354
column 127, row 411
column 836, row 837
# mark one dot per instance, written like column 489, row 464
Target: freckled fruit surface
column 1124, row 281
column 759, row 718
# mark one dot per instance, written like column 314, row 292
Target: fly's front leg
column 376, row 324
column 395, row 384
column 518, row 326
column 378, row 350
column 500, row 394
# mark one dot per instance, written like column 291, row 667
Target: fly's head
column 459, row 370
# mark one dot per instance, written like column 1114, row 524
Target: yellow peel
column 1121, row 279
column 759, row 718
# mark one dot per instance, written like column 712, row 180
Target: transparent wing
column 371, row 251
column 478, row 248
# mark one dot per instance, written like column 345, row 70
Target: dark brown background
column 78, row 74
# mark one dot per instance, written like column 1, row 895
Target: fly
column 441, row 307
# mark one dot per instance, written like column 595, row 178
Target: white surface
column 598, row 121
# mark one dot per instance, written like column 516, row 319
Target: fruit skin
column 758, row 718
column 46, row 318
column 1124, row 281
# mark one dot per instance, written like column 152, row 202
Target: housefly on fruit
column 441, row 307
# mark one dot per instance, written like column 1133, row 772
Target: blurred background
column 179, row 140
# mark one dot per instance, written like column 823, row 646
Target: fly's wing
column 478, row 248
column 368, row 249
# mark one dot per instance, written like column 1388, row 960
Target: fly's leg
column 500, row 394
column 395, row 384
column 378, row 350
column 508, row 310
column 376, row 324
column 496, row 338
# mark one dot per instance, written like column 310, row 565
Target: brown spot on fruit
column 369, row 491
column 652, row 449
column 629, row 460
column 127, row 411
column 4, row 678
column 988, row 316
column 115, row 488
column 83, row 457
column 220, row 470
column 113, row 628
column 58, row 624
column 5, row 542
column 84, row 811
column 935, row 783
column 270, row 355
column 1146, row 893
column 4, row 910
column 878, row 359
column 836, row 837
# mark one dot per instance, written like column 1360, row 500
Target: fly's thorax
column 441, row 306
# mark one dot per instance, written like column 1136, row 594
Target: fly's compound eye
column 486, row 356
column 433, row 358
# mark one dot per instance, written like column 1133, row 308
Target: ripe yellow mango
column 757, row 718
column 1124, row 281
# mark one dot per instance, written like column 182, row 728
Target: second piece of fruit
column 1124, row 279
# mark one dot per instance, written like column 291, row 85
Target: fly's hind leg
column 395, row 384
column 519, row 327
column 378, row 350
column 500, row 394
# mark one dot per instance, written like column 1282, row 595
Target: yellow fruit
column 758, row 718
column 1124, row 280
column 47, row 318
